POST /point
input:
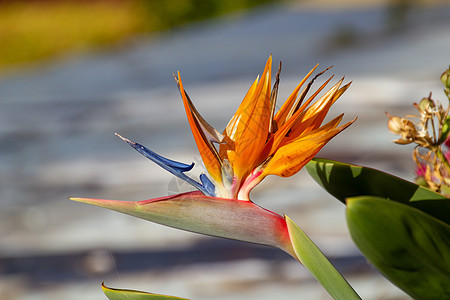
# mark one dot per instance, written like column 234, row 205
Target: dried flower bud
column 431, row 134
column 403, row 127
column 395, row 124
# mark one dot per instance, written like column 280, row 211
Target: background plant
column 429, row 131
column 402, row 228
column 32, row 30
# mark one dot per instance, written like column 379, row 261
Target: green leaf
column 444, row 131
column 411, row 248
column 345, row 180
column 318, row 265
column 119, row 294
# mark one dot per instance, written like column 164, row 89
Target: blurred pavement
column 57, row 122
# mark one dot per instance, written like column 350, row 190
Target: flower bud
column 403, row 127
column 426, row 104
column 445, row 78
column 395, row 124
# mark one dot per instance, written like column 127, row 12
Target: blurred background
column 74, row 72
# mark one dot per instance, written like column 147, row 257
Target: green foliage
column 35, row 30
column 318, row 265
column 168, row 14
column 32, row 30
column 402, row 228
column 119, row 294
column 445, row 130
column 408, row 246
column 445, row 78
column 345, row 180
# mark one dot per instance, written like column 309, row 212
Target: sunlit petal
column 253, row 127
column 314, row 115
column 291, row 101
column 290, row 158
column 207, row 151
column 227, row 148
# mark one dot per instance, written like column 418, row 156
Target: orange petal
column 321, row 107
column 296, row 118
column 199, row 126
column 227, row 148
column 312, row 97
column 341, row 91
column 291, row 101
column 250, row 125
column 273, row 101
column 313, row 117
column 231, row 128
column 255, row 127
column 325, row 128
column 290, row 158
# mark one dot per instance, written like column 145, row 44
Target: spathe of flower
column 238, row 220
column 195, row 212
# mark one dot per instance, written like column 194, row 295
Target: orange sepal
column 281, row 115
column 312, row 117
column 294, row 119
column 250, row 125
column 199, row 129
column 227, row 148
column 291, row 157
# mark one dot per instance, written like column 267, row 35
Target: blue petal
column 182, row 167
column 174, row 167
column 207, row 184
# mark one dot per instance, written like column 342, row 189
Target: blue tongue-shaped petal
column 207, row 184
column 174, row 167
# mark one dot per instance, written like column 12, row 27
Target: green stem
column 307, row 253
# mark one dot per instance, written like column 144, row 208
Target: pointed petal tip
column 86, row 200
column 123, row 139
column 117, row 205
column 74, row 199
column 352, row 121
column 82, row 200
column 345, row 126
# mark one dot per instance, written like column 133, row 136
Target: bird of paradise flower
column 257, row 142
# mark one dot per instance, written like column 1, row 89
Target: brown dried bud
column 403, row 127
column 395, row 124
